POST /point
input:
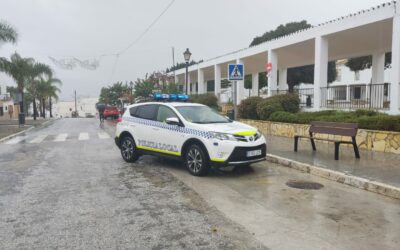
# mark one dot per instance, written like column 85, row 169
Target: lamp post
column 187, row 55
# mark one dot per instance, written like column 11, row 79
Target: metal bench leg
column 313, row 142
column 356, row 152
column 296, row 142
column 337, row 144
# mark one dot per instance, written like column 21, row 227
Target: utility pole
column 173, row 61
column 76, row 109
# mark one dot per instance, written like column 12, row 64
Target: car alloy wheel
column 196, row 161
column 128, row 150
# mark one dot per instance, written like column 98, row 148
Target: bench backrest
column 334, row 128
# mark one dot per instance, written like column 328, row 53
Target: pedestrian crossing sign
column 235, row 72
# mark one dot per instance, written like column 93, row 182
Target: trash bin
column 21, row 119
column 231, row 114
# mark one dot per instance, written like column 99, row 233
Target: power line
column 148, row 28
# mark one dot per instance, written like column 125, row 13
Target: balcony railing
column 360, row 96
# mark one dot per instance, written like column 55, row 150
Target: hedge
column 206, row 99
column 248, row 107
column 365, row 119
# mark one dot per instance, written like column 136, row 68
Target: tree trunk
column 44, row 107
column 21, row 103
column 51, row 113
column 34, row 109
column 40, row 107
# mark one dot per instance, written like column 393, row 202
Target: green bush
column 283, row 116
column 380, row 122
column 206, row 99
column 290, row 102
column 248, row 108
column 265, row 109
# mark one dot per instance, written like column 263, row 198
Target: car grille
column 247, row 138
column 239, row 153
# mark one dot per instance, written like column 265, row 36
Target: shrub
column 290, row 102
column 206, row 99
column 380, row 122
column 248, row 108
column 265, row 108
column 365, row 112
column 282, row 116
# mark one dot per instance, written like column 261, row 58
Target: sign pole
column 235, row 100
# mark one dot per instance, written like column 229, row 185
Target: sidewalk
column 375, row 171
column 10, row 127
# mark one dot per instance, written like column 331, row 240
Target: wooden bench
column 331, row 128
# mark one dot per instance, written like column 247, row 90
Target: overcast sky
column 86, row 29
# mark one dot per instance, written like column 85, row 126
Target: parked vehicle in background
column 112, row 112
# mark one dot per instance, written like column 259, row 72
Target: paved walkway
column 375, row 166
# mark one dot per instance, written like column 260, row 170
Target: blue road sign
column 235, row 72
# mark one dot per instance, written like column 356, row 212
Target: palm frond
column 8, row 33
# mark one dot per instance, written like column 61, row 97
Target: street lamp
column 187, row 55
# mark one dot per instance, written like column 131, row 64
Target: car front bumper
column 239, row 156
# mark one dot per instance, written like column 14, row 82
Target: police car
column 191, row 132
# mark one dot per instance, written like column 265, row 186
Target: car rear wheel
column 128, row 149
column 196, row 160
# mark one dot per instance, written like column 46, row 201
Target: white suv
column 191, row 132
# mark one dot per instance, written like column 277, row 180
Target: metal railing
column 360, row 96
column 306, row 97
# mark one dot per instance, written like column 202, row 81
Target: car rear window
column 146, row 111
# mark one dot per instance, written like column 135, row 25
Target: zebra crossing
column 62, row 137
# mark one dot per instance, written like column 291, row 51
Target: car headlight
column 223, row 136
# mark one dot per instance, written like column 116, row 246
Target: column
column 200, row 81
column 176, row 80
column 273, row 75
column 217, row 81
column 254, row 84
column 395, row 72
column 375, row 98
column 188, row 85
column 320, row 69
column 283, row 80
column 240, row 86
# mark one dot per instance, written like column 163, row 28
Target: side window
column 164, row 113
column 132, row 111
column 146, row 111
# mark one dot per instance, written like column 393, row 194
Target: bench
column 331, row 128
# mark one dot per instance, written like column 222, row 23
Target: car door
column 143, row 128
column 169, row 137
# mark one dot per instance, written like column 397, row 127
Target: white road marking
column 38, row 139
column 103, row 135
column 83, row 136
column 15, row 140
column 61, row 137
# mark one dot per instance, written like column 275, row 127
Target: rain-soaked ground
column 66, row 187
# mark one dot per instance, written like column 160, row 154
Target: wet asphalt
column 79, row 194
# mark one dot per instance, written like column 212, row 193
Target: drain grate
column 304, row 185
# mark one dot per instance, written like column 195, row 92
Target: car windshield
column 201, row 114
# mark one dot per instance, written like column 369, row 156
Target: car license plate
column 253, row 153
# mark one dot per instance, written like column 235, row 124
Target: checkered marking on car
column 158, row 124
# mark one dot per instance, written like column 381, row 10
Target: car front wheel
column 196, row 160
column 128, row 149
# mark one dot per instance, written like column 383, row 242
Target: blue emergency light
column 170, row 97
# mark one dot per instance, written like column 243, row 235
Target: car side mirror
column 173, row 121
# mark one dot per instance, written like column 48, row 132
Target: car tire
column 128, row 149
column 196, row 160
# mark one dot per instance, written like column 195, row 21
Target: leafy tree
column 44, row 88
column 182, row 65
column 144, row 87
column 303, row 74
column 365, row 62
column 281, row 30
column 23, row 71
column 225, row 83
column 111, row 95
column 7, row 33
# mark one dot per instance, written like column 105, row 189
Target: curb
column 354, row 181
column 23, row 131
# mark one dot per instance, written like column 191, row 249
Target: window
column 132, row 111
column 201, row 115
column 357, row 75
column 357, row 92
column 147, row 112
column 164, row 113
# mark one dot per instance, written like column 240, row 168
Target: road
column 65, row 186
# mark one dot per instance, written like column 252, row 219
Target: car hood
column 230, row 128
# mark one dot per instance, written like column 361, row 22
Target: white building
column 86, row 106
column 369, row 32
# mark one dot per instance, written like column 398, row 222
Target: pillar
column 273, row 75
column 254, row 84
column 188, row 85
column 283, row 80
column 239, row 86
column 320, row 69
column 217, row 81
column 378, row 77
column 395, row 72
column 200, row 81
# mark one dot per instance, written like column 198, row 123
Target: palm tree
column 23, row 71
column 46, row 88
column 7, row 33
